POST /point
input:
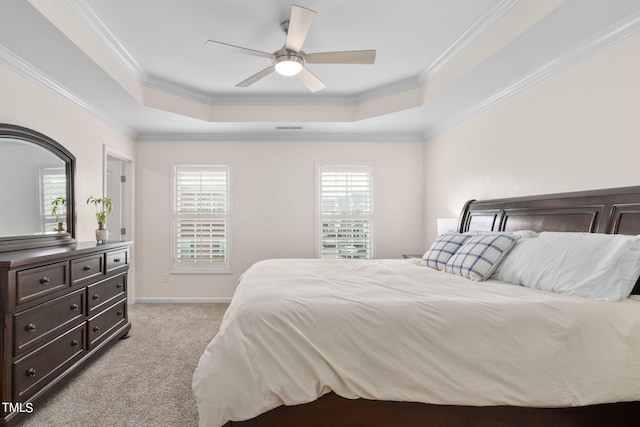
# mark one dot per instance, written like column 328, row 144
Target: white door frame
column 128, row 212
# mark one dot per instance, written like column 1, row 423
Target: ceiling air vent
column 288, row 127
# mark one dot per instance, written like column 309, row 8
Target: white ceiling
column 143, row 66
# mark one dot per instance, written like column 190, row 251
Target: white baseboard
column 182, row 300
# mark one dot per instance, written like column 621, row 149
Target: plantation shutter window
column 201, row 218
column 345, row 194
column 53, row 181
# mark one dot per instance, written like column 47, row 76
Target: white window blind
column 201, row 218
column 53, row 184
column 345, row 195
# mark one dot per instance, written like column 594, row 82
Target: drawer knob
column 116, row 260
column 96, row 329
column 96, row 296
column 119, row 313
column 74, row 307
column 87, row 268
column 75, row 343
column 31, row 372
column 119, row 286
column 30, row 327
column 45, row 280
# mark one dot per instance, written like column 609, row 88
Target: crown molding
column 25, row 69
column 606, row 38
column 284, row 136
column 174, row 88
column 87, row 14
column 484, row 21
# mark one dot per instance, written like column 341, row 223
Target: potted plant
column 58, row 211
column 103, row 207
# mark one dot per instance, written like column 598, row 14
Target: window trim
column 202, row 268
column 344, row 166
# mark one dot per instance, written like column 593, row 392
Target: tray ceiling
column 143, row 65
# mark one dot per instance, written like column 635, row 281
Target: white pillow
column 480, row 255
column 598, row 266
column 442, row 249
column 526, row 234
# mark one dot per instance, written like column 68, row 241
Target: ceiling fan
column 290, row 59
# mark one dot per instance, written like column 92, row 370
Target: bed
column 394, row 342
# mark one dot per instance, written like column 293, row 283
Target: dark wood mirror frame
column 18, row 242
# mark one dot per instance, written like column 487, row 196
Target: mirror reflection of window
column 53, row 184
column 24, row 167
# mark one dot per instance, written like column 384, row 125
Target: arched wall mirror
column 37, row 186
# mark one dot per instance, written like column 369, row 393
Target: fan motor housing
column 288, row 63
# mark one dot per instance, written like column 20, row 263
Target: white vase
column 102, row 234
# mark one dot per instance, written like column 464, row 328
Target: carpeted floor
column 141, row 381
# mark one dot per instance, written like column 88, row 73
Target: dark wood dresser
column 61, row 307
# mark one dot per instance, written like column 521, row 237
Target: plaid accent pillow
column 480, row 255
column 442, row 249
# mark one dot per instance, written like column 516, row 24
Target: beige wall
column 273, row 187
column 577, row 130
column 27, row 104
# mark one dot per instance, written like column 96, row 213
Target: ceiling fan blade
column 257, row 76
column 299, row 25
column 308, row 78
column 344, row 57
column 238, row 49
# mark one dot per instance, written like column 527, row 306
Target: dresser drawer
column 106, row 322
column 36, row 282
column 46, row 320
column 104, row 292
column 39, row 367
column 117, row 260
column 84, row 269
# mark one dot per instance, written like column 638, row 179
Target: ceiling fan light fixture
column 288, row 65
column 289, row 60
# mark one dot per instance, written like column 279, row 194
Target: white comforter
column 392, row 330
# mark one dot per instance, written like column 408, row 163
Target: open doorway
column 118, row 187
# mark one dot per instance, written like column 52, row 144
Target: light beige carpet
column 141, row 381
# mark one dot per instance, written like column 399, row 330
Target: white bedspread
column 392, row 330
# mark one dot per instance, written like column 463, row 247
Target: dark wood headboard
column 611, row 211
